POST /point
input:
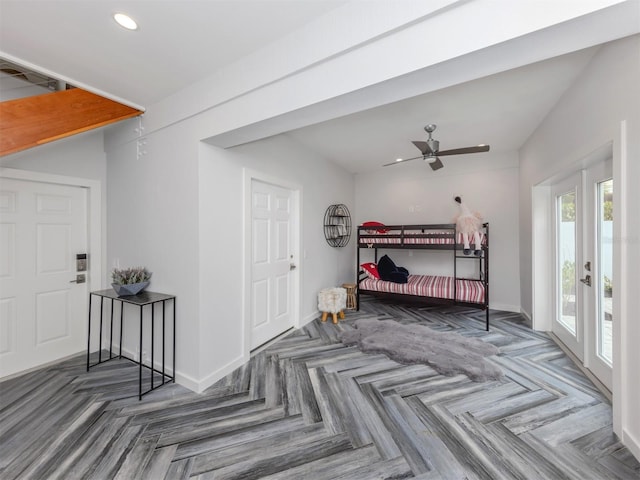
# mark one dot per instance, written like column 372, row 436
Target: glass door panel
column 568, row 322
column 604, row 253
column 566, row 254
column 598, row 295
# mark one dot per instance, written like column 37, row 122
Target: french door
column 583, row 283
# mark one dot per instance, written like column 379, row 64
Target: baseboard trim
column 309, row 318
column 212, row 378
column 181, row 378
column 505, row 307
column 631, row 442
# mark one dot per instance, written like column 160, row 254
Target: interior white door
column 597, row 271
column 42, row 314
column 271, row 262
column 568, row 323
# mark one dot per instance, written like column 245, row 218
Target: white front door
column 583, row 214
column 42, row 314
column 271, row 296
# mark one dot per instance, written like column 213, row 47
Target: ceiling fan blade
column 436, row 165
column 423, row 147
column 460, row 151
column 402, row 161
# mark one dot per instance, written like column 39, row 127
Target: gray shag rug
column 447, row 352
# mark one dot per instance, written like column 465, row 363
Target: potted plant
column 130, row 281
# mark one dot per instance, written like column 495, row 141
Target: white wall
column 587, row 118
column 153, row 221
column 78, row 156
column 412, row 193
column 178, row 209
column 221, row 181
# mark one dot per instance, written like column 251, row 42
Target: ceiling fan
column 430, row 152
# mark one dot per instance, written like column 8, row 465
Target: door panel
column 567, row 323
column 271, row 286
column 7, row 250
column 48, row 327
column 42, row 315
column 599, row 254
column 567, row 252
column 604, row 246
column 8, row 325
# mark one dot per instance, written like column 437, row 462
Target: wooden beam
column 32, row 121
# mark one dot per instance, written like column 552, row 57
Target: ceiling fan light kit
column 431, row 150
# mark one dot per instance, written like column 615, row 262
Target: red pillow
column 375, row 224
column 372, row 270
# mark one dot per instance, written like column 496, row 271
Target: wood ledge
column 32, row 121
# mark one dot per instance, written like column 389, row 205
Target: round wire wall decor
column 337, row 225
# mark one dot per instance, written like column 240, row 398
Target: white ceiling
column 178, row 41
column 500, row 110
column 182, row 42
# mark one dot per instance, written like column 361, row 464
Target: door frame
column 95, row 227
column 249, row 176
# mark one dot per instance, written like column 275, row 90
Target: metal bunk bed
column 470, row 292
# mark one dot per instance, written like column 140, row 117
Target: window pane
column 567, row 260
column 605, row 259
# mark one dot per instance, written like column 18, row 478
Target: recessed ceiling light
column 398, row 159
column 125, row 21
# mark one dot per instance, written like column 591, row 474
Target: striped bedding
column 438, row 238
column 471, row 291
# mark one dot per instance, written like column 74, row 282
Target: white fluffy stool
column 332, row 300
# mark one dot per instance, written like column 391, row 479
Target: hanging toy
column 469, row 225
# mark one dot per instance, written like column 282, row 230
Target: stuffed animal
column 469, row 225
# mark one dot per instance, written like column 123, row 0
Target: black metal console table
column 141, row 300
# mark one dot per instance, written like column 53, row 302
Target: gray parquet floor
column 309, row 408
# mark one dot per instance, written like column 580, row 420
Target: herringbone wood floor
column 308, row 407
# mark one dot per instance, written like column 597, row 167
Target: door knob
column 586, row 280
column 80, row 278
column 292, row 266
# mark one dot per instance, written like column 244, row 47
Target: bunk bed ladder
column 455, row 263
column 485, row 277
